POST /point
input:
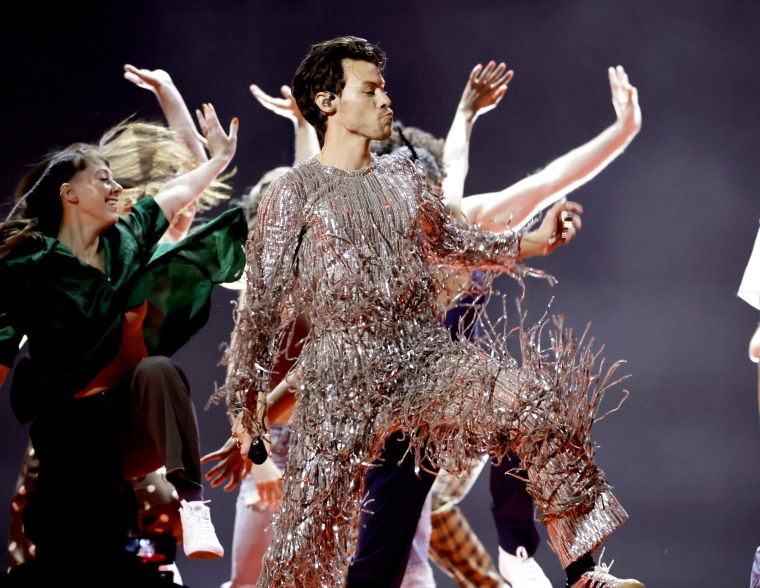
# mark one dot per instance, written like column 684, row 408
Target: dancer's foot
column 521, row 570
column 198, row 535
column 599, row 577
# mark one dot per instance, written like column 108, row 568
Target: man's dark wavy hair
column 322, row 71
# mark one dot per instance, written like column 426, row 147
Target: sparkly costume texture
column 360, row 254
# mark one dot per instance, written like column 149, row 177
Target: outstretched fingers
column 214, row 138
column 492, row 76
column 625, row 99
column 285, row 106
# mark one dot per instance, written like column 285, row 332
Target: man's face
column 363, row 108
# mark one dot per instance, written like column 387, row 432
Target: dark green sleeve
column 180, row 277
column 146, row 221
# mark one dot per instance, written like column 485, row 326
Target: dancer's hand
column 268, row 480
column 177, row 193
column 485, row 89
column 160, row 83
column 285, row 106
column 230, row 466
column 220, row 145
column 625, row 99
column 154, row 80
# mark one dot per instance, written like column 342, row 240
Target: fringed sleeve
column 265, row 315
column 452, row 243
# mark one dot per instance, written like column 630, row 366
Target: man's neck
column 349, row 152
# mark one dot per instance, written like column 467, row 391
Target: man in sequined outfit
column 356, row 243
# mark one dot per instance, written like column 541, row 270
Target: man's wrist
column 527, row 246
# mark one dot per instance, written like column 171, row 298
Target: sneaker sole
column 629, row 584
column 204, row 555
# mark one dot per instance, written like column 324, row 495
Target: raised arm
column 173, row 105
column 453, row 244
column 184, row 189
column 483, row 91
column 521, row 201
column 160, row 83
column 306, row 141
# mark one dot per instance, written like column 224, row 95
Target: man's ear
column 324, row 101
column 67, row 192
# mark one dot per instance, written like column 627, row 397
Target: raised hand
column 485, row 89
column 625, row 99
column 175, row 110
column 148, row 79
column 285, row 106
column 219, row 144
column 185, row 188
column 306, row 141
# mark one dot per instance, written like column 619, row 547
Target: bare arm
column 484, row 90
column 306, row 141
column 521, row 201
column 184, row 189
column 173, row 105
column 160, row 83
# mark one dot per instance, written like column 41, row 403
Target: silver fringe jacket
column 360, row 255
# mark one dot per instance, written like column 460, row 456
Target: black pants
column 83, row 508
column 512, row 507
column 396, row 494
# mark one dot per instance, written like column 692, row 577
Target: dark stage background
column 667, row 231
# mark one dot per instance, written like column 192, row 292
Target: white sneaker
column 522, row 571
column 198, row 535
column 600, row 577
